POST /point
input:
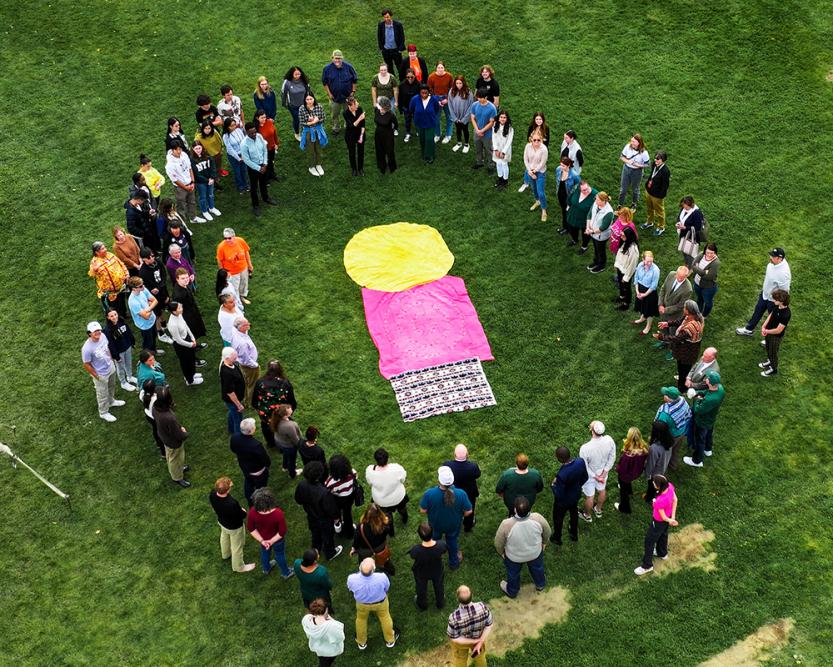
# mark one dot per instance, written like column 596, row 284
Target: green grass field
column 736, row 92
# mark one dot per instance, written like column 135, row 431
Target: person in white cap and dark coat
column 446, row 506
column 599, row 454
column 95, row 354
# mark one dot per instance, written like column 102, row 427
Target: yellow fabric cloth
column 393, row 258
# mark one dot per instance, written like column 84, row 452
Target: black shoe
column 256, row 211
column 199, row 363
column 623, row 307
column 186, row 468
column 361, row 172
column 404, row 518
column 597, row 269
column 477, row 166
column 617, row 299
column 185, row 484
column 355, row 172
column 582, row 250
column 271, row 202
column 562, row 231
column 573, row 538
column 571, row 243
column 202, row 346
column 555, row 540
column 498, row 182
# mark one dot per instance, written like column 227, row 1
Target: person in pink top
column 664, row 514
column 624, row 218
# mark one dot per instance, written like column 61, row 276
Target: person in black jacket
column 252, row 458
column 656, row 188
column 231, row 518
column 120, row 341
column 390, row 36
column 310, row 450
column 354, row 134
column 153, row 274
column 320, row 508
column 408, row 89
column 466, row 474
column 386, row 125
column 138, row 220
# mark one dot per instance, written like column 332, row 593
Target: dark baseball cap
column 777, row 252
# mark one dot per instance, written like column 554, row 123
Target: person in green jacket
column 578, row 210
column 148, row 369
column 706, row 406
column 313, row 578
column 519, row 481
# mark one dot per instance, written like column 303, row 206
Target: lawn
column 737, row 93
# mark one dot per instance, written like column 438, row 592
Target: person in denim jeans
column 266, row 523
column 535, row 161
column 705, row 269
column 520, row 540
column 233, row 138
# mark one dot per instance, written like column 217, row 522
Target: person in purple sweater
column 566, row 491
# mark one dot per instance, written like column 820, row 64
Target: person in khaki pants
column 231, row 518
column 370, row 589
column 172, row 434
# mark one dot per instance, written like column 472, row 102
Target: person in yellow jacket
column 110, row 276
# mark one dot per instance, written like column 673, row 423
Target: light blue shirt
column 368, row 590
column 137, row 303
column 483, row 113
column 647, row 277
column 254, row 153
column 390, row 40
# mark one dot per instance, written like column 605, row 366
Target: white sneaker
column 197, row 375
column 338, row 551
column 107, row 417
column 165, row 338
column 641, row 570
column 320, row 169
column 763, row 343
column 457, row 147
column 207, row 216
column 665, row 557
column 690, row 462
column 466, row 148
column 524, row 187
column 215, row 213
column 436, row 140
column 297, row 136
column 407, row 138
column 313, row 171
column 198, row 220
column 196, row 381
column 446, row 139
column 743, row 331
column 396, row 133
column 116, row 403
column 708, row 453
column 133, row 379
column 127, row 386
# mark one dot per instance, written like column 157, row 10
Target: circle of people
column 155, row 245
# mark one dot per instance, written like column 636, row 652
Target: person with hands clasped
column 266, row 523
column 663, row 515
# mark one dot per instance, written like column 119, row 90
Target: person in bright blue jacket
column 425, row 110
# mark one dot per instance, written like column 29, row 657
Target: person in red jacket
column 266, row 523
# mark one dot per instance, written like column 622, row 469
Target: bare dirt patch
column 756, row 648
column 829, row 76
column 688, row 547
column 515, row 621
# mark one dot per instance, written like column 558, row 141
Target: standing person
column 184, row 294
column 696, row 379
column 286, row 434
column 566, row 490
column 684, row 335
column 185, row 344
column 428, row 566
column 371, row 539
column 630, row 467
column 501, row 148
column 370, row 591
column 153, row 179
column 264, row 97
column 252, row 458
column 266, row 129
column 384, row 84
column 675, row 291
column 313, row 578
column 226, row 316
column 659, row 456
column 153, row 274
column 223, row 288
column 175, row 134
column 233, row 138
column 705, row 268
column 483, row 114
column 354, row 133
column 149, row 369
column 387, row 486
column 206, row 111
column 325, row 634
column 339, row 80
column 294, row 90
column 460, row 102
column 181, row 174
column 246, row 350
column 232, row 388
column 230, row 517
column 142, row 305
column 578, row 208
column 95, row 355
column 386, row 127
column 439, row 83
column 177, row 260
column 120, row 342
column 267, row 525
column 520, row 540
column 408, row 90
column 424, row 110
column 147, row 395
column 127, row 250
column 572, row 149
column 598, row 229
column 310, row 450
column 390, row 37
column 599, row 454
column 230, row 105
column 627, row 259
column 773, row 331
column 655, row 191
column 413, row 61
column 567, row 179
column 777, row 276
column 468, row 628
column 343, row 484
column 205, row 176
column 172, row 434
column 519, row 481
column 691, row 225
column 313, row 136
column 646, row 281
column 539, row 122
column 624, row 218
column 110, row 276
column 675, row 413
column 138, row 220
column 466, row 474
column 255, row 155
column 269, row 392
column 634, row 158
column 233, row 255
column 487, row 82
column 446, row 506
column 663, row 515
column 705, row 408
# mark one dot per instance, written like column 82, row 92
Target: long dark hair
column 544, row 129
column 661, row 434
column 221, row 282
column 630, row 239
column 504, row 128
column 164, row 400
column 291, row 71
column 340, row 467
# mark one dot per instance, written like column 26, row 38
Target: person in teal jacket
column 148, row 369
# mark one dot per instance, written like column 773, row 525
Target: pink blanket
column 426, row 325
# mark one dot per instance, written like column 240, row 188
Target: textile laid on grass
column 437, row 390
column 427, row 325
column 395, row 257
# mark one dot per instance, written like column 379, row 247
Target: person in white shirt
column 570, row 148
column 634, row 158
column 230, row 106
column 778, row 276
column 181, row 173
column 387, row 486
column 599, row 454
column 227, row 316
